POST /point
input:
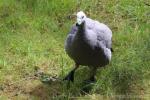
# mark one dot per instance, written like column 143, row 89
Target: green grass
column 32, row 35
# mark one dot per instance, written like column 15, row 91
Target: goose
column 89, row 43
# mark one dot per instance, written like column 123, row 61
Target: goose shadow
column 47, row 91
column 58, row 89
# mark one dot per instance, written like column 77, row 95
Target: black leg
column 91, row 79
column 88, row 83
column 70, row 76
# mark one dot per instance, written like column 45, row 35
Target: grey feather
column 90, row 43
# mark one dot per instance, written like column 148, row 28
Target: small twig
column 85, row 92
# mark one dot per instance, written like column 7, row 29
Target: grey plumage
column 89, row 44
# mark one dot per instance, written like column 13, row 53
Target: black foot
column 88, row 85
column 70, row 76
column 90, row 80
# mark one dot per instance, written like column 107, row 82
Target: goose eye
column 82, row 17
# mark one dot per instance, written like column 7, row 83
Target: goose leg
column 91, row 79
column 87, row 86
column 70, row 76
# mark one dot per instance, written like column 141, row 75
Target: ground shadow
column 46, row 91
column 58, row 89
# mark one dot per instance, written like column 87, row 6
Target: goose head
column 80, row 17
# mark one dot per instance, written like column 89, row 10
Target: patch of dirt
column 31, row 86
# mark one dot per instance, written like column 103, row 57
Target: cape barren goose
column 89, row 43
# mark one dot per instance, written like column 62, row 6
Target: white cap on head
column 80, row 17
